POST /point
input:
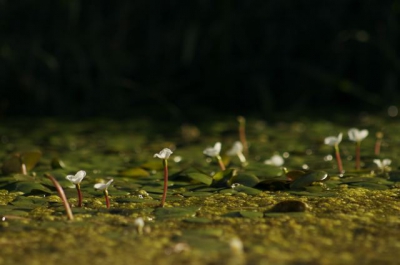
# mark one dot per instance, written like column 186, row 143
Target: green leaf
column 203, row 178
column 221, row 178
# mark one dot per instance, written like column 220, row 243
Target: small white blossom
column 237, row 149
column 213, row 151
column 236, row 245
column 77, row 178
column 139, row 224
column 275, row 160
column 163, row 154
column 356, row 135
column 333, row 140
column 103, row 186
column 382, row 164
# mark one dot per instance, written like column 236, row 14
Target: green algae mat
column 281, row 201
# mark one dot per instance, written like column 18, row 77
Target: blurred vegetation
column 188, row 59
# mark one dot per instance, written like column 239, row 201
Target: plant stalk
column 62, row 196
column 338, row 159
column 358, row 149
column 107, row 199
column 164, row 197
column 78, row 189
column 221, row 163
column 242, row 134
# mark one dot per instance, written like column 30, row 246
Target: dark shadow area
column 190, row 60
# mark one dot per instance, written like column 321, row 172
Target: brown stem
column 221, row 163
column 78, row 189
column 338, row 159
column 358, row 144
column 62, row 196
column 164, row 197
column 242, row 134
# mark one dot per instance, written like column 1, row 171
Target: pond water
column 255, row 212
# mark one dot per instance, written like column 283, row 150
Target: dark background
column 188, row 60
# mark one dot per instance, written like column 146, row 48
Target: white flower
column 275, row 160
column 382, row 164
column 139, row 224
column 102, row 186
column 213, row 151
column 332, row 140
column 163, row 154
column 237, row 149
column 356, row 135
column 77, row 178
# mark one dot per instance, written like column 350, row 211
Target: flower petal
column 236, row 149
column 102, row 186
column 163, row 154
column 213, row 151
column 77, row 178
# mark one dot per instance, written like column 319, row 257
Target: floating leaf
column 221, row 178
column 307, row 179
column 273, row 185
column 176, row 212
column 249, row 180
column 135, row 172
column 203, row 178
column 294, row 174
column 247, row 190
column 29, row 187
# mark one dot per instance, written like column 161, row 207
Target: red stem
column 62, row 196
column 78, row 189
column 358, row 155
column 338, row 159
column 164, row 197
column 107, row 199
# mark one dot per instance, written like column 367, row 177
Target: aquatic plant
column 242, row 134
column 77, row 179
column 62, row 196
column 357, row 136
column 139, row 224
column 383, row 164
column 104, row 188
column 335, row 141
column 378, row 143
column 275, row 160
column 214, row 152
column 164, row 155
column 237, row 149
